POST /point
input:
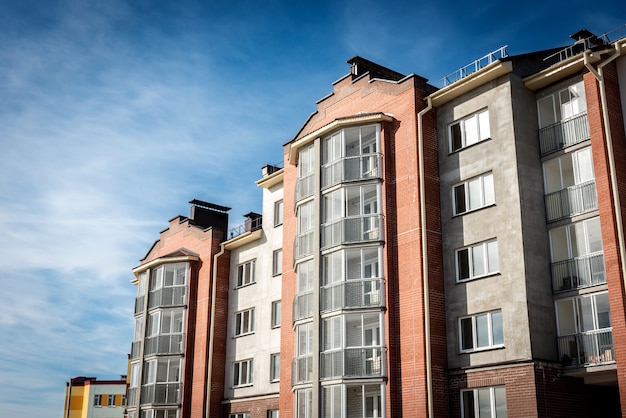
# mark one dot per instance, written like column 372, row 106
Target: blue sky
column 115, row 114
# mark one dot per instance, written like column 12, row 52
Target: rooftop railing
column 588, row 43
column 250, row 225
column 474, row 66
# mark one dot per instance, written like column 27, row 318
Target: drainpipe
column 599, row 75
column 420, row 152
column 207, row 408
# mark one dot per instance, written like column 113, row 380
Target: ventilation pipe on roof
column 599, row 75
column 420, row 156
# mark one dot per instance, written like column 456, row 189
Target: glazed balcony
column 571, row 201
column 139, row 304
column 578, row 272
column 135, row 350
column 132, row 396
column 362, row 228
column 167, row 296
column 303, row 306
column 160, row 394
column 304, row 187
column 590, row 348
column 164, row 345
column 303, row 245
column 301, row 369
column 352, row 362
column 362, row 293
column 564, row 134
column 360, row 167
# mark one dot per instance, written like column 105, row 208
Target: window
column 240, row 415
column 165, row 370
column 272, row 413
column 134, row 375
column 304, row 339
column 469, row 131
column 562, row 105
column 276, row 314
column 576, row 240
column 165, row 413
column 275, row 367
column 97, row 400
column 168, row 275
column 166, row 322
column 111, row 400
column 583, row 313
column 484, row 402
column 477, row 261
column 305, row 217
column 278, row 213
column 306, row 161
column 242, row 373
column 245, row 273
column 481, row 331
column 304, row 403
column 244, row 322
column 473, row 194
column 568, row 170
column 138, row 328
column 277, row 262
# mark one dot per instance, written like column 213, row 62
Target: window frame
column 111, row 400
column 239, row 415
column 97, row 400
column 468, row 195
column 475, row 335
column 240, row 321
column 238, row 374
column 493, row 406
column 277, row 262
column 278, row 212
column 464, row 124
column 470, row 261
column 247, row 268
column 274, row 367
column 276, row 314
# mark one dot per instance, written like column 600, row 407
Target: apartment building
column 88, row 397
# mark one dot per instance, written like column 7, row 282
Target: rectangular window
column 276, row 305
column 242, row 373
column 275, row 367
column 240, row 415
column 278, row 213
column 277, row 262
column 244, row 322
column 477, row 261
column 304, row 403
column 484, row 402
column 562, row 105
column 583, row 314
column 272, row 413
column 111, row 400
column 482, row 331
column 97, row 400
column 473, row 194
column 304, row 339
column 469, row 131
column 245, row 273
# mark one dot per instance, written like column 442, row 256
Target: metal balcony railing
column 250, row 225
column 564, row 134
column 578, row 272
column 571, row 201
column 303, row 245
column 167, row 296
column 587, row 348
column 303, row 306
column 164, row 345
column 361, row 293
column 474, row 66
column 160, row 394
column 304, row 187
column 302, row 369
column 352, row 229
column 360, row 167
column 139, row 304
column 352, row 362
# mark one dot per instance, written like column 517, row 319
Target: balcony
column 571, row 201
column 304, row 187
column 360, row 167
column 564, row 134
column 167, row 296
column 303, row 245
column 132, row 397
column 302, row 369
column 352, row 362
column 139, row 304
column 160, row 394
column 303, row 306
column 352, row 229
column 590, row 348
column 253, row 223
column 135, row 350
column 164, row 345
column 578, row 272
column 362, row 293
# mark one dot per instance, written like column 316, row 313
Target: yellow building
column 86, row 397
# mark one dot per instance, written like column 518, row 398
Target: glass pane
column 566, row 320
column 492, row 253
column 459, row 199
column 475, row 193
column 567, row 171
column 471, row 130
column 558, row 243
column 488, row 190
column 500, row 395
column 368, row 139
column 463, row 264
column 496, row 328
column 353, row 264
column 584, row 166
column 566, row 104
column 467, row 342
column 482, row 331
column 594, row 235
column 455, row 137
column 552, row 175
column 478, row 260
column 468, row 404
column 484, row 403
column 483, row 122
column 546, row 112
column 603, row 311
column 352, row 141
column 585, row 312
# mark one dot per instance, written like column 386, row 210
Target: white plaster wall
column 105, row 411
column 265, row 340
